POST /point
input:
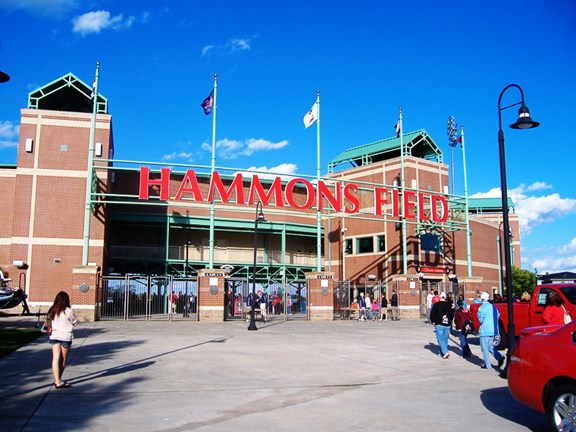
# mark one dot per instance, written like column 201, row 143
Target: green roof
column 488, row 205
column 67, row 93
column 417, row 143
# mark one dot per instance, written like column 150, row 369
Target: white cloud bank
column 535, row 209
column 232, row 149
column 232, row 46
column 95, row 22
column 8, row 134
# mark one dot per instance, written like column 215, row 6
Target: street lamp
column 259, row 218
column 524, row 122
column 499, row 245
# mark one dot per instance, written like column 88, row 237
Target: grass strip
column 12, row 339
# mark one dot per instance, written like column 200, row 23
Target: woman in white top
column 63, row 321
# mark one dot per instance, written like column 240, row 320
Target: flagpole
column 468, row 232
column 213, row 164
column 403, row 190
column 318, row 171
column 89, row 176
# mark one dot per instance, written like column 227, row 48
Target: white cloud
column 555, row 264
column 232, row 46
column 570, row 247
column 285, row 168
column 253, row 145
column 535, row 210
column 285, row 171
column 538, row 186
column 232, row 149
column 95, row 22
column 8, row 134
column 207, row 49
column 187, row 156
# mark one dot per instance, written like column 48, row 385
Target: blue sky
column 367, row 57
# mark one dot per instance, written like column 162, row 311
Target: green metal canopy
column 418, row 144
column 488, row 205
column 67, row 93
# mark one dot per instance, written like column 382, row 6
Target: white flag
column 311, row 116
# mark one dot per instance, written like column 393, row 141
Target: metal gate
column 285, row 301
column 148, row 297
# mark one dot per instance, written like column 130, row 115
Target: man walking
column 488, row 316
column 441, row 316
column 394, row 303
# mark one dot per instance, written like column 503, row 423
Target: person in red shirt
column 554, row 310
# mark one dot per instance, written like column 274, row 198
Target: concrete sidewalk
column 287, row 376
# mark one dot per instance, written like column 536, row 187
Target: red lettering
column 421, row 209
column 443, row 215
column 275, row 191
column 379, row 199
column 395, row 203
column 310, row 195
column 349, row 194
column 194, row 188
column 408, row 205
column 163, row 182
column 324, row 192
column 236, row 185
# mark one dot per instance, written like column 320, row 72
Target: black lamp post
column 524, row 122
column 259, row 218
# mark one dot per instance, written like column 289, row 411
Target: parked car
column 529, row 313
column 542, row 373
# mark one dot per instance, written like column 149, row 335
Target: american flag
column 208, row 103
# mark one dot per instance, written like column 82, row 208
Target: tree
column 522, row 280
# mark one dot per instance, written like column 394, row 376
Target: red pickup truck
column 529, row 313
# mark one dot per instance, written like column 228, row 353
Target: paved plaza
column 287, row 376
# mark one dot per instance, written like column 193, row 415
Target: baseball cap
column 485, row 296
column 443, row 295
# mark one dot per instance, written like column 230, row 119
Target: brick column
column 408, row 291
column 473, row 286
column 321, row 295
column 211, row 291
column 84, row 292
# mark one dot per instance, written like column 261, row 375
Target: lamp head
column 524, row 120
column 260, row 217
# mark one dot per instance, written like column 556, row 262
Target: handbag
column 47, row 326
column 567, row 317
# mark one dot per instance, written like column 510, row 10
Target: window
column 381, row 243
column 365, row 245
column 348, row 246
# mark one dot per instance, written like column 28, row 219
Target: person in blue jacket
column 488, row 316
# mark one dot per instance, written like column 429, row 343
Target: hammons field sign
column 337, row 196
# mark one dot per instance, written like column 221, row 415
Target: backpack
column 468, row 327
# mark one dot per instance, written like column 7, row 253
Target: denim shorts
column 65, row 344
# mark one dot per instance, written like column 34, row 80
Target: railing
column 201, row 253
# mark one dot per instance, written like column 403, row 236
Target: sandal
column 62, row 385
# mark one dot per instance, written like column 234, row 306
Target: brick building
column 191, row 231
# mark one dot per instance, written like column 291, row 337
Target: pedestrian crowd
column 371, row 308
column 445, row 316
